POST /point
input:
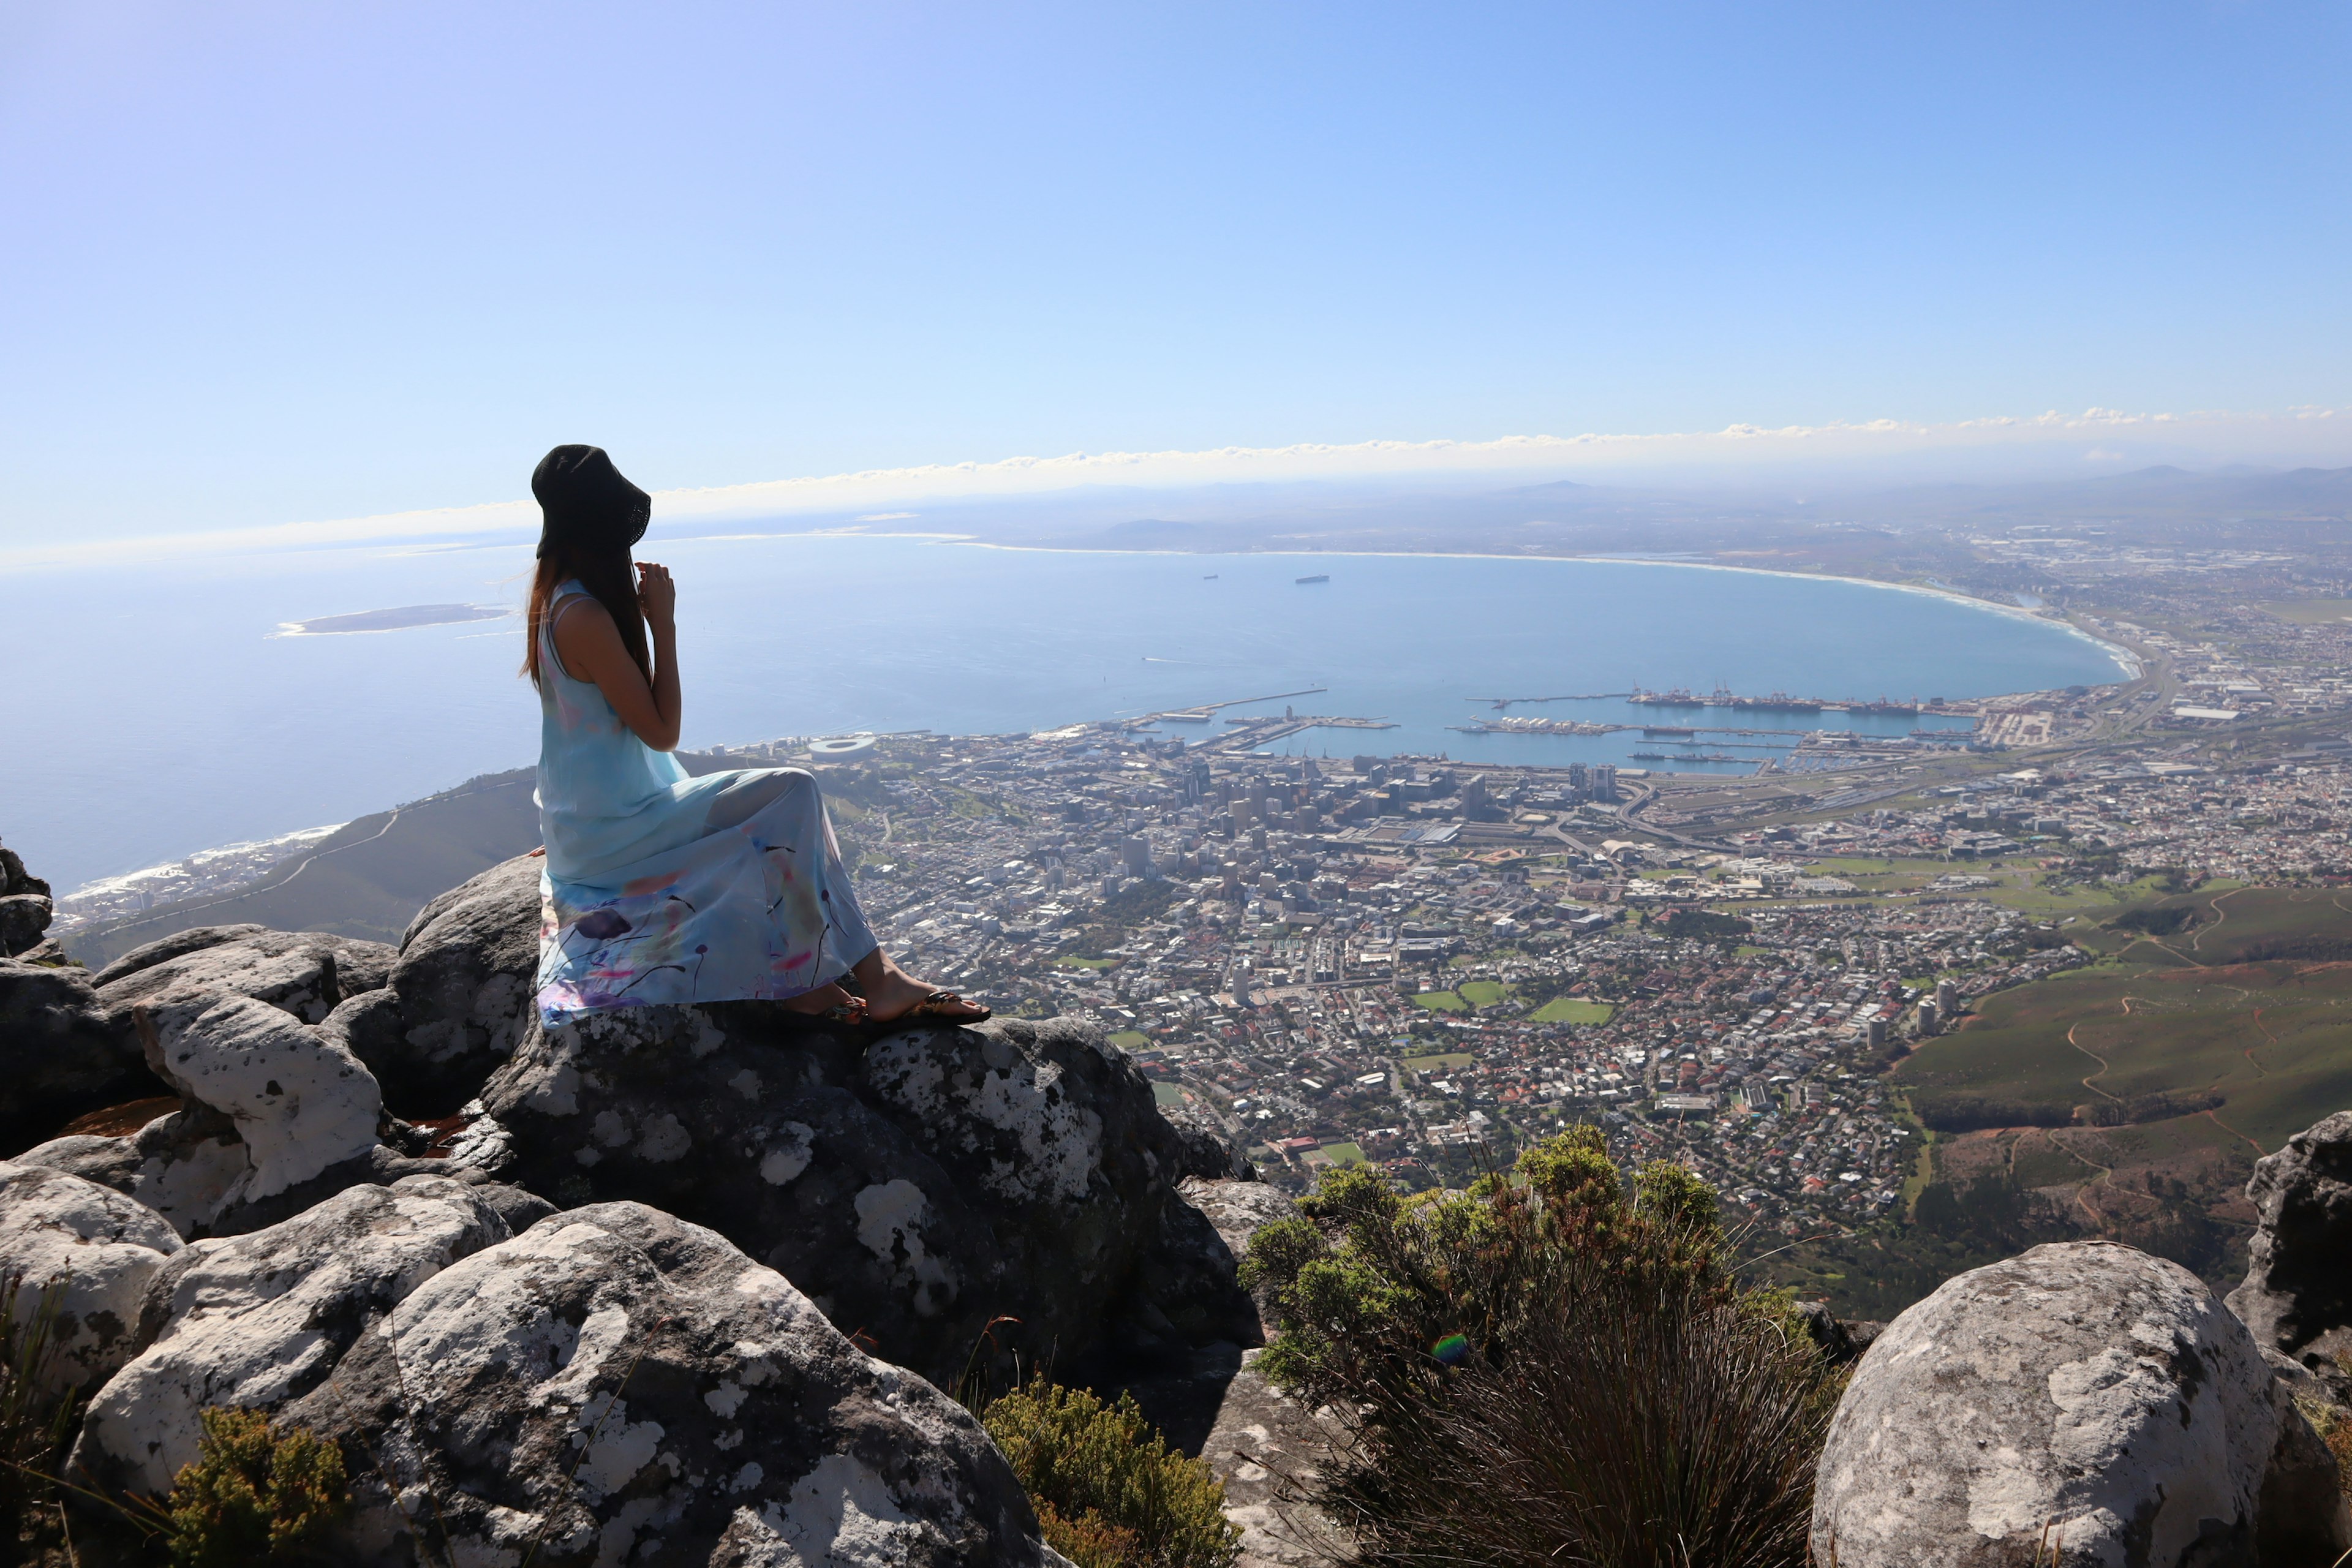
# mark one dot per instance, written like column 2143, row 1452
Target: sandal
column 936, row 1005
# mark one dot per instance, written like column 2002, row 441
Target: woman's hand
column 656, row 596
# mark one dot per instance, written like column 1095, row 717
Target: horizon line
column 1723, row 451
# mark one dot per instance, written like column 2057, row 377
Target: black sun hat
column 585, row 502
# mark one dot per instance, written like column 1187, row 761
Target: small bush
column 1555, row 1369
column 257, row 1493
column 1109, row 1491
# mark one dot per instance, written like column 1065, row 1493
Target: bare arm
column 590, row 645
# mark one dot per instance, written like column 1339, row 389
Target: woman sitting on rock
column 661, row 887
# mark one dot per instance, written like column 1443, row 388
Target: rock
column 1220, row 1409
column 617, row 1386
column 183, row 1165
column 300, row 1103
column 193, row 940
column 22, row 918
column 16, row 880
column 259, row 1321
column 306, row 974
column 1205, row 1151
column 2297, row 1295
column 58, row 1055
column 2081, row 1395
column 94, row 1250
column 459, row 994
column 922, row 1185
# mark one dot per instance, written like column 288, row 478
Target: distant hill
column 367, row 879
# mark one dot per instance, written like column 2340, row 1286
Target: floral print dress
column 660, row 888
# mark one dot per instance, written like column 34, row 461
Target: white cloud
column 2301, row 434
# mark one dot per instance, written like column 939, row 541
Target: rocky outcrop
column 458, row 996
column 26, row 909
column 90, row 1250
column 922, row 1185
column 613, row 1378
column 304, row 974
column 2083, row 1402
column 182, row 1164
column 275, row 1116
column 58, row 1055
column 260, row 1321
column 2297, row 1297
column 299, row 1103
column 69, row 1041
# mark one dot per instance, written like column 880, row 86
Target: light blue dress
column 664, row 889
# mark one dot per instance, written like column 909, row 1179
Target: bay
column 158, row 709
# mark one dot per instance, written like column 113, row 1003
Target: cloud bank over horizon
column 1872, row 454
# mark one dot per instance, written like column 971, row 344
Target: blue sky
column 272, row 262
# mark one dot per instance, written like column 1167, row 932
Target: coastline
column 2124, row 659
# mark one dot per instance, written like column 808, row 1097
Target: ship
column 1887, row 708
column 1680, row 696
column 1668, row 732
column 1778, row 703
column 1318, row 577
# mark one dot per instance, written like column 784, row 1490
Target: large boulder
column 2297, row 1297
column 183, row 1165
column 458, row 997
column 920, row 1185
column 58, row 1055
column 614, row 1386
column 89, row 1251
column 300, row 1104
column 25, row 906
column 2083, row 1403
column 304, row 974
column 260, row 1321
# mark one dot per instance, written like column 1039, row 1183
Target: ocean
column 158, row 709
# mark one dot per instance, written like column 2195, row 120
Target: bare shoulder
column 584, row 632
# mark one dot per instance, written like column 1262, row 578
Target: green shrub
column 1559, row 1370
column 1109, row 1491
column 257, row 1493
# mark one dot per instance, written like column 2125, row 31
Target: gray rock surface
column 182, row 1164
column 1205, row 1151
column 22, row 918
column 305, row 974
column 1263, row 1445
column 92, row 1249
column 300, row 1104
column 193, row 940
column 261, row 1319
column 2081, row 1394
column 2297, row 1295
column 458, row 995
column 58, row 1055
column 921, row 1185
column 614, row 1386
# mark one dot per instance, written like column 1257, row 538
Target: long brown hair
column 607, row 577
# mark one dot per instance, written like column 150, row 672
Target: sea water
column 160, row 709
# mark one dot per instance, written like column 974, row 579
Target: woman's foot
column 895, row 995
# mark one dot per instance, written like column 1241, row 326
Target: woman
column 661, row 887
